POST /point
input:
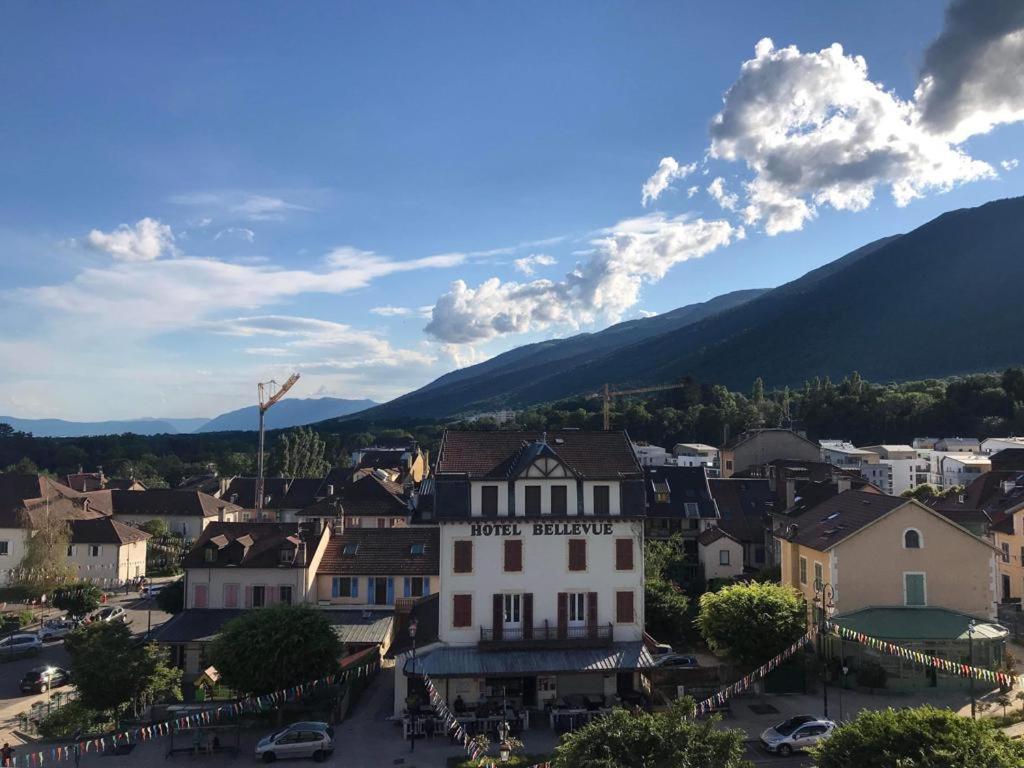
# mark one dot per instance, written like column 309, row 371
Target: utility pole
column 269, row 393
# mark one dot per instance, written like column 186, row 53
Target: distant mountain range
column 941, row 300
column 287, row 413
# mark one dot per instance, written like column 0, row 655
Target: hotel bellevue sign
column 542, row 529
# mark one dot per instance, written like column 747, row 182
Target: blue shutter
column 406, row 588
column 391, row 591
column 336, row 587
column 355, row 586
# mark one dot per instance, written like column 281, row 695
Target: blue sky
column 201, row 196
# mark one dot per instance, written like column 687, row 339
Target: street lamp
column 970, row 651
column 413, row 626
column 504, row 747
column 824, row 601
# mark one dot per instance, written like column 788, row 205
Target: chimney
column 224, row 483
column 790, row 492
column 330, row 491
column 843, row 483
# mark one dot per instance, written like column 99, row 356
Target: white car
column 20, row 644
column 797, row 734
column 151, row 590
column 56, row 628
column 315, row 740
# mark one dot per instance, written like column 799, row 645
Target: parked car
column 20, row 644
column 42, row 679
column 151, row 590
column 315, row 740
column 661, row 649
column 111, row 613
column 57, row 628
column 797, row 734
column 676, row 661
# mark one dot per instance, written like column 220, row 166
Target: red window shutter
column 577, row 554
column 248, row 597
column 624, row 554
column 528, row 616
column 624, row 607
column 513, row 555
column 497, row 616
column 463, row 557
column 591, row 611
column 563, row 614
column 462, row 610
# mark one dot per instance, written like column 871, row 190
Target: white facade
column 108, row 562
column 996, row 444
column 12, row 551
column 844, row 454
column 652, row 455
column 905, row 474
column 188, row 526
column 963, row 468
column 721, row 559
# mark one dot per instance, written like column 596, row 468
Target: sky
column 195, row 197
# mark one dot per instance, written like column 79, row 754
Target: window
column 914, row 590
column 577, row 609
column 559, row 500
column 624, row 613
column 94, row 550
column 462, row 611
column 577, row 554
column 417, row 549
column 259, row 596
column 287, row 556
column 417, row 586
column 230, row 595
column 692, row 509
column 511, row 610
column 532, row 499
column 602, row 500
column 1006, row 552
column 728, row 463
column 344, row 586
column 353, row 522
column 723, row 557
column 1021, row 555
column 284, row 594
column 623, row 554
column 819, row 578
column 911, row 539
column 210, row 555
column 5, row 548
column 803, row 570
column 463, row 557
column 199, row 595
column 489, row 500
column 396, row 522
column 350, row 549
column 513, row 555
column 382, row 522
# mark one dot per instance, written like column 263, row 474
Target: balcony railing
column 548, row 635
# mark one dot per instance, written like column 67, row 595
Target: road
column 13, row 702
column 758, row 756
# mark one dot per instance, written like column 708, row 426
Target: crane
column 607, row 394
column 269, row 394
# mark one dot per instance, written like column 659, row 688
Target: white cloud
column 243, row 233
column 973, row 73
column 816, row 131
column 624, row 257
column 528, row 264
column 691, row 191
column 388, row 311
column 669, row 170
column 1009, row 165
column 253, row 207
column 645, row 313
column 147, row 240
column 462, row 355
column 728, row 200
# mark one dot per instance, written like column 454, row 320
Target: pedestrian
column 428, row 727
column 7, row 754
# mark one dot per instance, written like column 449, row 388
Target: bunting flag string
column 925, row 660
column 252, row 704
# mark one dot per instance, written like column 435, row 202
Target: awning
column 470, row 662
column 922, row 624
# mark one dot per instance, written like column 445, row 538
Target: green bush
column 72, row 718
column 25, row 618
column 516, row 761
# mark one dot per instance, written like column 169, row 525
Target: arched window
column 911, row 539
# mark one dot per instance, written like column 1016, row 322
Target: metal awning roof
column 924, row 623
column 470, row 662
column 368, row 627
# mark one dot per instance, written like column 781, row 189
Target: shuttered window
column 533, row 500
column 489, row 500
column 559, row 500
column 577, row 554
column 463, row 559
column 624, row 608
column 462, row 610
column 624, row 554
column 513, row 555
column 602, row 500
column 914, row 589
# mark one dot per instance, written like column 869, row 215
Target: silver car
column 315, row 740
column 56, row 628
column 797, row 734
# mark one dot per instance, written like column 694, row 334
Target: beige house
column 106, row 551
column 187, row 513
column 761, row 446
column 720, row 554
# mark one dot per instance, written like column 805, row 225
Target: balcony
column 547, row 635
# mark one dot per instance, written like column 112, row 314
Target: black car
column 42, row 679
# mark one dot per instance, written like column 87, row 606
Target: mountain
column 941, row 300
column 62, row 428
column 287, row 413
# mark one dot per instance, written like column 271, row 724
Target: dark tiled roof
column 19, row 492
column 302, row 491
column 743, row 507
column 369, row 496
column 1008, row 459
column 195, row 625
column 750, row 434
column 385, row 458
column 494, row 455
column 383, row 552
column 248, row 545
column 104, row 530
column 839, row 517
column 162, row 502
column 426, row 611
column 710, row 535
column 243, row 491
column 685, row 485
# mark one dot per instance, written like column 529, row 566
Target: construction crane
column 269, row 395
column 607, row 394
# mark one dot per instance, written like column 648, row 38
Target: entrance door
column 1006, row 588
column 529, row 691
column 624, row 683
column 380, row 592
column 512, row 616
column 577, row 611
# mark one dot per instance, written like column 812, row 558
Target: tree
column 757, row 394
column 923, row 737
column 111, row 669
column 626, row 739
column 78, row 599
column 299, row 453
column 171, row 599
column 751, row 622
column 665, row 609
column 157, row 528
column 45, row 560
column 276, row 647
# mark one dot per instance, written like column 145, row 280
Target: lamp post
column 413, row 626
column 504, row 747
column 970, row 652
column 824, row 601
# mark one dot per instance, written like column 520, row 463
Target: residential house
column 962, row 468
column 187, row 513
column 744, row 507
column 958, row 445
column 107, row 551
column 846, row 455
column 720, row 554
column 365, row 567
column 757, row 447
column 679, row 502
column 887, row 563
column 541, row 564
column 992, row 445
column 406, row 464
column 283, row 497
column 97, row 481
column 905, row 469
column 367, row 498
